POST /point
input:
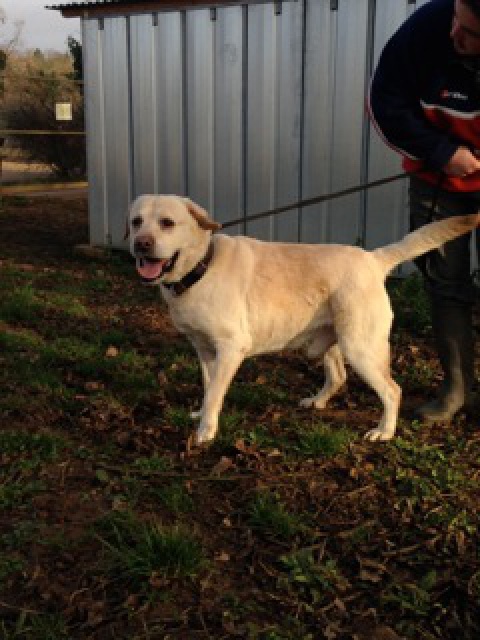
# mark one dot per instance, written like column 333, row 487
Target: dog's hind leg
column 371, row 362
column 226, row 365
column 335, row 377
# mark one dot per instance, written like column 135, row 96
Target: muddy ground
column 290, row 526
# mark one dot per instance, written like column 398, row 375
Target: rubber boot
column 452, row 327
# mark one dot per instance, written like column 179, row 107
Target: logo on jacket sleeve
column 452, row 95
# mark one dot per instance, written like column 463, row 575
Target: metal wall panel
column 261, row 116
column 229, row 148
column 288, row 125
column 335, row 77
column 320, row 47
column 274, row 116
column 348, row 120
column 170, row 152
column 117, row 126
column 156, row 67
column 95, row 127
column 200, row 107
column 143, row 104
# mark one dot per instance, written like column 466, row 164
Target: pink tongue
column 150, row 270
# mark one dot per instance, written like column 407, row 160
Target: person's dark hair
column 474, row 6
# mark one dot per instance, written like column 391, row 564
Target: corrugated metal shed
column 243, row 107
column 114, row 6
column 83, row 3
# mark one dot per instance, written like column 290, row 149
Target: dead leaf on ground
column 224, row 464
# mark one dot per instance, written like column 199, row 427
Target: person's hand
column 462, row 163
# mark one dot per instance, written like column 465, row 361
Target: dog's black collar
column 192, row 276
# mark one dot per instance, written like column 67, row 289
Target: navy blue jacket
column 425, row 98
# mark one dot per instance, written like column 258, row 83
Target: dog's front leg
column 226, row 365
column 206, row 358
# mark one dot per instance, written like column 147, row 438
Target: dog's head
column 168, row 236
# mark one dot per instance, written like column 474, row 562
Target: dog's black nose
column 144, row 244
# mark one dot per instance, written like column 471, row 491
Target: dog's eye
column 137, row 222
column 166, row 223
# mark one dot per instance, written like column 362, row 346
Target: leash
column 316, row 200
column 436, row 195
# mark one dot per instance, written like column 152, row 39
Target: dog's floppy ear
column 201, row 216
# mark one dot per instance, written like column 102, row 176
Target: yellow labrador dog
column 236, row 297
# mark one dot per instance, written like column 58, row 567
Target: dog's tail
column 431, row 236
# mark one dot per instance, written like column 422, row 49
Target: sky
column 44, row 29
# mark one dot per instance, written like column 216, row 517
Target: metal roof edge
column 99, row 8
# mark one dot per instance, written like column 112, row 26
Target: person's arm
column 394, row 97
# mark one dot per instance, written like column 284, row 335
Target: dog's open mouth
column 152, row 269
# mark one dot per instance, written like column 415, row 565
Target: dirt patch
column 290, row 526
column 43, row 230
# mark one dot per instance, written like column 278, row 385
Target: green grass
column 175, row 498
column 23, row 454
column 454, row 520
column 289, row 484
column 41, row 367
column 323, row 440
column 31, row 626
column 9, row 565
column 90, row 358
column 28, row 305
column 136, row 551
column 68, row 304
column 23, row 533
column 183, row 369
column 179, row 418
column 30, row 446
column 254, row 397
column 19, row 340
column 421, row 374
column 412, row 597
column 310, row 579
column 475, row 586
column 152, row 464
column 21, row 306
column 52, row 349
column 269, row 517
column 14, row 493
column 25, row 383
column 236, row 425
column 359, row 535
column 423, row 470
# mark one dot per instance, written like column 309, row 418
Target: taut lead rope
column 316, row 200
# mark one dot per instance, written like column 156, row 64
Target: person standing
column 424, row 101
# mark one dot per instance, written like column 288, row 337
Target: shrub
column 30, row 96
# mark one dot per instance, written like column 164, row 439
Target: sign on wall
column 63, row 111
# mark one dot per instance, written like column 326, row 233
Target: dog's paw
column 313, row 403
column 204, row 435
column 193, row 447
column 379, row 435
column 196, row 415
